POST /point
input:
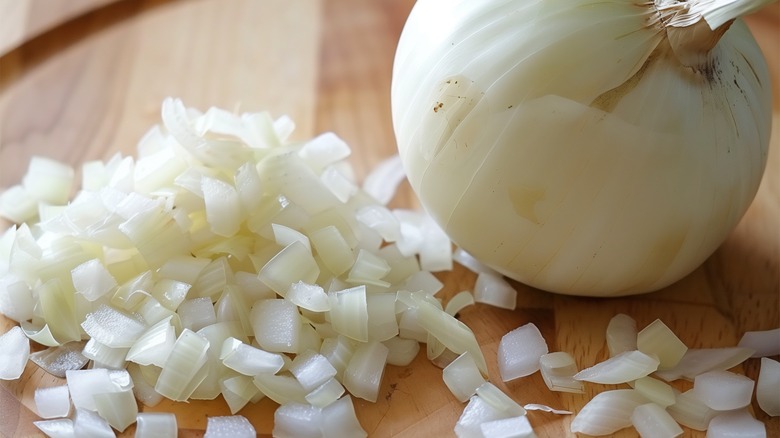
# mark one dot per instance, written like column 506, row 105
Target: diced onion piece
column 340, row 420
column 281, row 388
column 144, row 379
column 691, row 412
column 277, row 325
column 652, row 421
column 499, row 400
column 196, row 313
column 119, row 408
column 736, row 424
column 233, row 426
column 61, row 428
column 656, row 391
column 333, row 249
column 156, row 425
column 238, row 391
column 458, row 302
column 293, row 263
column 381, row 220
column 112, row 327
column 764, row 343
column 52, row 401
column 700, row 360
column 212, row 280
column 338, row 350
column 325, row 394
column 311, row 369
column 89, row 423
column 16, row 298
column 308, row 296
column 154, row 345
column 436, row 248
column 624, row 367
column 297, row 420
column 17, row 204
column 493, row 289
column 365, row 369
column 383, row 180
column 462, row 377
column 103, row 356
column 768, row 386
column 84, row 384
column 558, row 370
column 58, row 360
column 324, row 150
column 249, row 360
column 607, row 412
column 423, row 281
column 411, row 232
column 48, row 181
column 284, row 236
column 401, row 352
column 349, row 312
column 454, row 334
column 14, row 353
column 383, row 324
column 723, row 390
column 657, row 339
column 185, row 367
column 368, row 269
column 92, row 279
column 477, row 412
column 621, row 334
column 519, row 352
column 514, row 427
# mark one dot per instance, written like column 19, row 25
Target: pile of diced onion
column 225, row 260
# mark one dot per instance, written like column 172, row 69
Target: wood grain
column 91, row 87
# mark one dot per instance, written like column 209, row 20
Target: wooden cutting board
column 92, row 85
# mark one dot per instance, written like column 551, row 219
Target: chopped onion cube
column 519, row 352
column 339, row 420
column 185, row 367
column 297, row 420
column 621, row 334
column 624, row 367
column 281, row 388
column 325, row 394
column 477, row 412
column 491, row 288
column 607, row 412
column 514, row 427
column 349, row 312
column 656, row 391
column 739, row 423
column 16, row 298
column 325, row 149
column 381, row 220
column 284, row 236
column 293, row 263
column 238, row 391
column 61, row 428
column 89, row 424
column 558, row 370
column 234, row 426
column 690, row 411
column 368, row 269
column 52, row 402
column 365, row 369
column 92, row 279
column 277, row 325
column 768, row 386
column 249, row 360
column 401, row 352
column 156, row 425
column 48, row 181
column 119, row 408
column 14, row 353
column 764, row 343
column 311, row 369
column 103, row 356
column 197, row 313
column 723, row 390
column 458, row 302
column 423, row 281
column 499, row 400
column 436, row 249
column 112, row 327
column 334, row 251
column 154, row 345
column 652, row 421
column 58, row 360
column 657, row 339
column 383, row 324
column 383, row 180
column 462, row 377
column 84, row 384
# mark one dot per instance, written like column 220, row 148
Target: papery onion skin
column 564, row 145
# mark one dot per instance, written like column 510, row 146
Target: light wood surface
column 93, row 85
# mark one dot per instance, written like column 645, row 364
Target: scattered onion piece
column 383, row 181
column 558, row 370
column 493, row 289
column 621, row 334
column 14, row 352
column 58, row 428
column 52, row 402
column 659, row 340
column 623, row 368
column 234, row 426
column 736, row 424
column 519, row 352
column 768, row 386
column 515, row 427
column 696, row 361
column 607, row 412
column 156, row 425
column 723, row 390
column 652, row 421
column 764, row 343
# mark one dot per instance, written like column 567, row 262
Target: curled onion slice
column 607, row 412
column 624, row 367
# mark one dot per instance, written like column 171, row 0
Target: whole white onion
column 586, row 147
